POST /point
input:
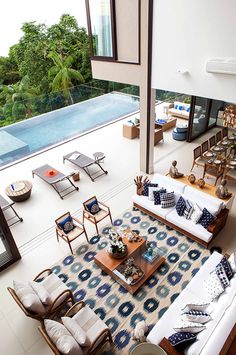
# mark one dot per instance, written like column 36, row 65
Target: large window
column 101, row 28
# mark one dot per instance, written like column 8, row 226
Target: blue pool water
column 32, row 135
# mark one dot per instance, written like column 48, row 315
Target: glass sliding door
column 198, row 116
column 101, row 27
column 8, row 250
column 216, row 106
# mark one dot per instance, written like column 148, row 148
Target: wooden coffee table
column 136, row 250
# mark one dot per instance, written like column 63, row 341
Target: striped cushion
column 188, row 209
column 167, row 199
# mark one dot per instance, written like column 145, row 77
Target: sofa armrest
column 219, row 222
column 169, row 349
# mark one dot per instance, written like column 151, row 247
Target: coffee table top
column 148, row 348
column 18, row 188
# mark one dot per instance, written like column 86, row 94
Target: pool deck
column 36, row 236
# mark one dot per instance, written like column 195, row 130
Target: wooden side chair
column 197, row 157
column 204, row 147
column 95, row 211
column 82, row 319
column 219, row 137
column 43, row 297
column 69, row 228
column 215, row 170
column 212, row 142
column 224, row 132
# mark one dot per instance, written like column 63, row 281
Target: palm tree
column 63, row 74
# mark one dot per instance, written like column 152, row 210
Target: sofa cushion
column 180, row 206
column 221, row 273
column 232, row 261
column 227, row 267
column 146, row 187
column 196, row 316
column 185, row 326
column 206, row 218
column 182, row 339
column 213, row 286
column 167, row 199
column 196, row 306
column 29, row 298
column 150, row 192
column 157, row 196
column 196, row 213
column 188, row 225
column 214, row 205
column 149, row 205
column 188, row 209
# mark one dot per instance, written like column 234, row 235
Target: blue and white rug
column 119, row 309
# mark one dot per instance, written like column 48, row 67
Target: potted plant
column 116, row 247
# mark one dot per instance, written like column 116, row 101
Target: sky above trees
column 14, row 13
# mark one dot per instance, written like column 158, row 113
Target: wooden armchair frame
column 61, row 234
column 215, row 170
column 104, row 335
column 51, row 310
column 92, row 218
column 197, row 153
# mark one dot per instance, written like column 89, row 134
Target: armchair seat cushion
column 90, row 323
column 100, row 215
column 74, row 233
column 55, row 287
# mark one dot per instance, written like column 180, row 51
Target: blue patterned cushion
column 66, row 225
column 226, row 265
column 93, row 207
column 220, row 271
column 188, row 209
column 157, row 196
column 180, row 206
column 146, row 186
column 167, row 199
column 182, row 339
column 206, row 218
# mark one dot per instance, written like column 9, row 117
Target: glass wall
column 101, row 27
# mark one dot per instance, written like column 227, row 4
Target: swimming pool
column 35, row 134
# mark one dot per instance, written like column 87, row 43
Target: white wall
column 186, row 34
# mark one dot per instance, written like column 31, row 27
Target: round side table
column 148, row 348
column 99, row 156
column 19, row 191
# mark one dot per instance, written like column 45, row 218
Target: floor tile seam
column 17, row 337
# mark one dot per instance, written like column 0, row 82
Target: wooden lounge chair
column 53, row 177
column 86, row 163
column 4, row 204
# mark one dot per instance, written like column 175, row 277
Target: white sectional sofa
column 170, row 217
column 219, row 332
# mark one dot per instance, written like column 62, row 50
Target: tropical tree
column 64, row 77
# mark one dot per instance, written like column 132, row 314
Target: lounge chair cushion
column 76, row 331
column 28, row 298
column 62, row 338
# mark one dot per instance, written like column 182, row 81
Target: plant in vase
column 116, row 247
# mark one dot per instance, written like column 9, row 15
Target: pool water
column 32, row 135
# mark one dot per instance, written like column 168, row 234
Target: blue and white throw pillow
column 182, row 339
column 146, row 188
column 227, row 267
column 213, row 286
column 167, row 199
column 188, row 209
column 67, row 225
column 93, row 207
column 180, row 206
column 157, row 196
column 196, row 316
column 197, row 306
column 221, row 273
column 196, row 214
column 206, row 218
column 150, row 192
column 185, row 326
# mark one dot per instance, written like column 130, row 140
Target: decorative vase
column 201, row 183
column 192, row 178
column 118, row 255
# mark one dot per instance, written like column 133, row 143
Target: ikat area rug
column 120, row 310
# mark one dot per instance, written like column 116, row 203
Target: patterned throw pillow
column 180, row 206
column 193, row 327
column 221, row 273
column 196, row 316
column 182, row 339
column 93, row 207
column 146, row 188
column 167, row 199
column 213, row 286
column 232, row 262
column 188, row 209
column 196, row 214
column 198, row 306
column 150, row 192
column 157, row 196
column 206, row 218
column 227, row 267
column 67, row 225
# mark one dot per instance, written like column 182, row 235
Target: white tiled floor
column 19, row 334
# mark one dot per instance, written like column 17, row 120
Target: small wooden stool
column 76, row 176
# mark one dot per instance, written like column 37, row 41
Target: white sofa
column 223, row 312
column 170, row 216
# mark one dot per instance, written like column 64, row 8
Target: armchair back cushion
column 62, row 338
column 92, row 206
column 28, row 298
column 66, row 224
column 55, row 287
column 41, row 291
column 76, row 331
